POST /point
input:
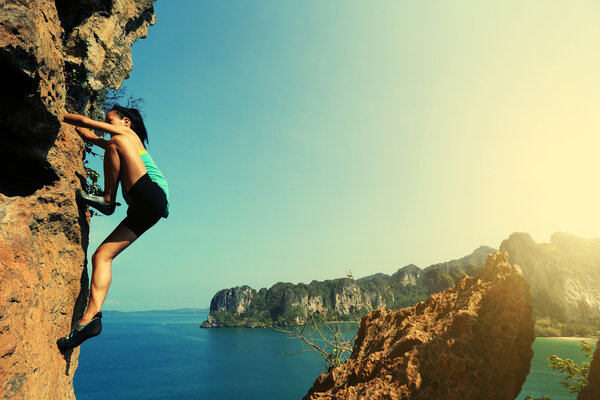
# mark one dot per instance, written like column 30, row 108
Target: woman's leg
column 120, row 159
column 112, row 173
column 102, row 258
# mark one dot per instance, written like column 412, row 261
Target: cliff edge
column 286, row 303
column 564, row 275
column 471, row 341
column 53, row 55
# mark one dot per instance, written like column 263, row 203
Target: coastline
column 591, row 340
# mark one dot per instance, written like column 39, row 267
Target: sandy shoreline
column 574, row 338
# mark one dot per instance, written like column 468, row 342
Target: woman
column 144, row 189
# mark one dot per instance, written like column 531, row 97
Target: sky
column 305, row 139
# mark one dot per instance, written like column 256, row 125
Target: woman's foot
column 81, row 333
column 98, row 202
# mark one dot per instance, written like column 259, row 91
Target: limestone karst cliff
column 472, row 341
column 564, row 274
column 53, row 54
column 285, row 303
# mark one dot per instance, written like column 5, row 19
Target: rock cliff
column 53, row 55
column 564, row 274
column 290, row 304
column 472, row 341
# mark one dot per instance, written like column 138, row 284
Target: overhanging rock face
column 468, row 342
column 52, row 54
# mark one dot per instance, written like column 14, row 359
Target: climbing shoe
column 81, row 333
column 97, row 202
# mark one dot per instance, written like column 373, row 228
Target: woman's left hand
column 85, row 134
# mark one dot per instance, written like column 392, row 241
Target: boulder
column 472, row 341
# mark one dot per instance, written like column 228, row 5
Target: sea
column 166, row 355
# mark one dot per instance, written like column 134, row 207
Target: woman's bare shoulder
column 130, row 135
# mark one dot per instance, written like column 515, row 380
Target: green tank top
column 154, row 174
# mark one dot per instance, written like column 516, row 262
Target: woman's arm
column 91, row 137
column 85, row 122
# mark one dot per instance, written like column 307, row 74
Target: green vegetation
column 437, row 280
column 77, row 88
column 286, row 304
column 577, row 375
column 92, row 182
column 440, row 277
column 230, row 320
column 546, row 326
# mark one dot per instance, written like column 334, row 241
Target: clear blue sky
column 303, row 139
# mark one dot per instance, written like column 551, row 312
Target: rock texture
column 234, row 300
column 592, row 390
column 52, row 54
column 564, row 274
column 472, row 341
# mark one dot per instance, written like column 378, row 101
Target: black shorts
column 148, row 203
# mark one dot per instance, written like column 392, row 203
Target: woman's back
column 156, row 176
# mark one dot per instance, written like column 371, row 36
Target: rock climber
column 144, row 189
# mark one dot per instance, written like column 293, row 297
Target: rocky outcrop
column 564, row 274
column 53, row 54
column 592, row 390
column 291, row 304
column 408, row 276
column 471, row 341
column 235, row 300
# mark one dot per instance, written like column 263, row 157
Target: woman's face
column 113, row 117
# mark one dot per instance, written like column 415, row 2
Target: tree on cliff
column 121, row 95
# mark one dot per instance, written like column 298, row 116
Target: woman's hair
column 137, row 123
